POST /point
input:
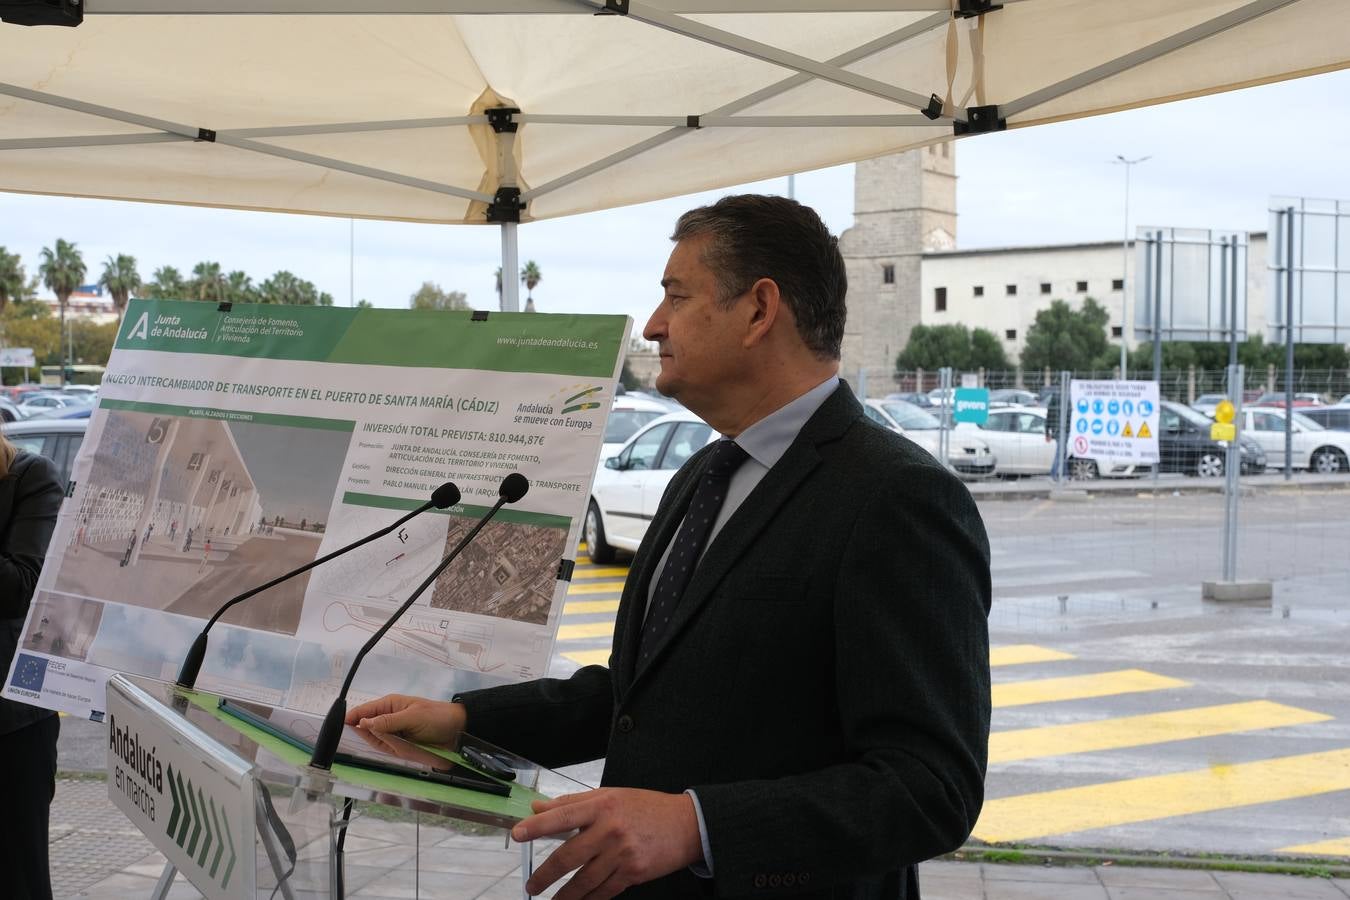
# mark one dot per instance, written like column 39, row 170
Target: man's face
column 699, row 341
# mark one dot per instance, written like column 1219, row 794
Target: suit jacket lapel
column 745, row 525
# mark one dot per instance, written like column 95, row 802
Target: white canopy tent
column 503, row 111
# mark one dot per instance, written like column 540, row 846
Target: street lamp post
column 1125, row 261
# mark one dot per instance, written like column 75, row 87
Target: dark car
column 1337, row 417
column 1184, row 444
column 57, row 439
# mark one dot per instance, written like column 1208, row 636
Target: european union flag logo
column 30, row 673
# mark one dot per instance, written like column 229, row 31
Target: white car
column 1016, row 435
column 967, row 453
column 1314, row 447
column 628, row 413
column 628, row 486
column 1207, row 403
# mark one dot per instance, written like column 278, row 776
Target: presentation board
column 231, row 444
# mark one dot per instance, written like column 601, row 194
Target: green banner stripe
column 464, row 510
column 220, row 840
column 206, row 844
column 581, row 345
column 183, row 827
column 193, row 795
column 230, row 415
column 229, row 835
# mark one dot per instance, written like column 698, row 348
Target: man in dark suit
column 797, row 701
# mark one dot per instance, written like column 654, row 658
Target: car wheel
column 1209, row 464
column 600, row 551
column 1328, row 461
column 1082, row 469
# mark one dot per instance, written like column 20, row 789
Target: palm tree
column 12, row 277
column 530, row 276
column 121, row 279
column 167, row 284
column 208, row 281
column 62, row 270
column 239, row 287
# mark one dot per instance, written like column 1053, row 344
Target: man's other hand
column 625, row 837
column 433, row 722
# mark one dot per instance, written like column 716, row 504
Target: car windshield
column 909, row 416
column 1307, row 424
column 624, row 423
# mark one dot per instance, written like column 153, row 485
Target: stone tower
column 903, row 205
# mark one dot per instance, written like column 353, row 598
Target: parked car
column 57, row 439
column 35, row 403
column 1011, row 397
column 1314, row 447
column 921, row 400
column 967, row 453
column 9, row 412
column 1017, row 437
column 74, row 411
column 629, row 412
column 88, row 390
column 1207, row 403
column 1184, row 444
column 628, row 485
column 1278, row 398
column 1336, row 417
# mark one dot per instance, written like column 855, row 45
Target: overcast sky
column 1215, row 162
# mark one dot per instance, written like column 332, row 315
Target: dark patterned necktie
column 725, row 459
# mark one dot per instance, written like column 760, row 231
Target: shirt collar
column 768, row 439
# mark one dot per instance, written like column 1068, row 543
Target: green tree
column 430, row 296
column 12, row 277
column 1064, row 338
column 121, row 279
column 934, row 346
column 166, row 284
column 62, row 270
column 91, row 342
column 29, row 323
column 530, row 276
column 208, row 282
column 285, row 287
column 239, row 288
column 364, row 304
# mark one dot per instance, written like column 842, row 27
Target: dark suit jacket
column 823, row 685
column 30, row 498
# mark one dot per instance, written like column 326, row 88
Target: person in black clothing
column 30, row 497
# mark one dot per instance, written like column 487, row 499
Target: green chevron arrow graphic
column 183, row 795
column 220, row 844
column 206, row 820
column 192, row 794
column 173, row 789
column 229, row 836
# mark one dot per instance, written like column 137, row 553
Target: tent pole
column 510, row 268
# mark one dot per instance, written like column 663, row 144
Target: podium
column 240, row 813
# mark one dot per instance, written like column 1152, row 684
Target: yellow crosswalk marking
column 1335, row 847
column 1078, row 687
column 600, row 572
column 1017, row 654
column 589, row 657
column 1139, row 731
column 599, row 587
column 581, row 607
column 1067, row 810
column 585, row 630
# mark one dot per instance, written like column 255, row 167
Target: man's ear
column 765, row 306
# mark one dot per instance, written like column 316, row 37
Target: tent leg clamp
column 614, row 8
column 968, row 9
column 502, row 119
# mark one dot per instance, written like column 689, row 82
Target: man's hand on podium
column 434, row 722
column 625, row 837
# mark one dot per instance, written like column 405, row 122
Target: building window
column 1012, row 290
column 888, row 274
column 1082, row 287
column 940, row 299
column 1011, row 334
column 1045, row 287
column 1117, row 284
column 979, row 290
column 1116, row 331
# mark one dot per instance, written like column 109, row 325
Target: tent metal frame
column 505, row 206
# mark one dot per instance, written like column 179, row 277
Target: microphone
column 513, row 487
column 444, row 496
